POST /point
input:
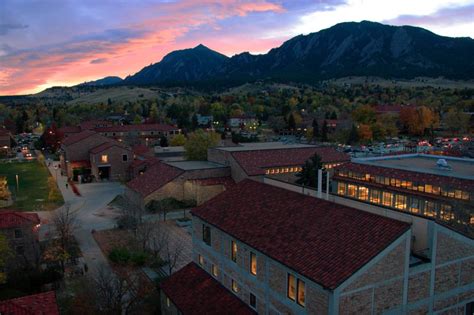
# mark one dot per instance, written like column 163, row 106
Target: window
column 351, row 190
column 400, row 202
column 104, row 158
column 415, row 206
column 465, row 195
column 124, row 157
column 301, row 292
column 233, row 251
column 168, row 303
column 253, row 300
column 363, row 193
column 214, row 271
column 446, row 212
column 201, row 260
column 458, row 194
column 253, row 263
column 341, row 188
column 375, row 196
column 429, row 210
column 18, row 233
column 235, row 286
column 387, row 199
column 206, row 234
column 428, row 188
column 291, row 290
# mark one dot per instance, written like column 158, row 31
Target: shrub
column 120, row 255
column 125, row 222
column 139, row 258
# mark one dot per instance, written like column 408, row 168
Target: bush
column 120, row 255
column 126, row 222
column 139, row 258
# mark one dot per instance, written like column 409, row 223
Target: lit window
column 233, row 254
column 168, row 302
column 291, row 290
column 253, row 300
column 428, row 188
column 201, row 260
column 351, row 190
column 104, row 158
column 409, row 185
column 429, row 210
column 446, row 212
column 235, row 286
column 387, row 199
column 465, row 195
column 253, row 263
column 206, row 234
column 400, row 202
column 341, row 188
column 301, row 292
column 375, row 196
column 415, row 206
column 214, row 271
column 436, row 190
column 363, row 193
column 458, row 194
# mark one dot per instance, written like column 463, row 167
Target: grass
column 33, row 190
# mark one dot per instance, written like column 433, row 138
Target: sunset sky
column 46, row 43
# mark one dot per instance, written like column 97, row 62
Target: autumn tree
column 198, row 142
column 365, row 132
column 178, row 140
column 364, row 115
column 456, row 120
column 417, row 121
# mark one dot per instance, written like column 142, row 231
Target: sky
column 46, row 43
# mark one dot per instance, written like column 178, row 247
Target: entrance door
column 104, row 172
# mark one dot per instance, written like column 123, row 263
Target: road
column 92, row 214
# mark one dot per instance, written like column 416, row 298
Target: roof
column 323, row 241
column 194, row 291
column 147, row 161
column 36, row 304
column 194, row 165
column 255, row 162
column 141, row 127
column 142, row 150
column 69, row 129
column 74, row 138
column 12, row 219
column 5, row 132
column 106, row 145
column 80, row 164
column 227, row 181
column 91, row 124
column 420, row 177
column 154, row 178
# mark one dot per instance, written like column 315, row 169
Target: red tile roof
column 142, row 150
column 12, row 219
column 324, row 241
column 107, row 145
column 194, row 291
column 154, row 178
column 228, row 182
column 5, row 132
column 142, row 127
column 69, row 129
column 91, row 124
column 148, row 162
column 254, row 162
column 36, row 304
column 431, row 179
column 74, row 138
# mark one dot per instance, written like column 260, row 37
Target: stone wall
column 29, row 255
column 226, row 158
column 118, row 167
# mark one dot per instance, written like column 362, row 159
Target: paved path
column 92, row 214
column 178, row 237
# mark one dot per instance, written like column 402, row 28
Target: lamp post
column 17, row 183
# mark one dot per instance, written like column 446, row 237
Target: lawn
column 33, row 193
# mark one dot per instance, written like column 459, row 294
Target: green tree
column 178, row 140
column 137, row 120
column 194, row 122
column 315, row 129
column 353, row 136
column 5, row 254
column 324, row 132
column 309, row 174
column 456, row 121
column 291, row 122
column 198, row 142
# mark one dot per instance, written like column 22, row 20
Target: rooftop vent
column 443, row 164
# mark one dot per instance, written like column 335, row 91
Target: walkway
column 92, row 214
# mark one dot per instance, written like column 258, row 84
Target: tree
column 364, row 115
column 137, row 120
column 456, row 120
column 194, row 122
column 324, row 132
column 353, row 136
column 417, row 121
column 365, row 132
column 5, row 254
column 198, row 142
column 308, row 176
column 291, row 122
column 163, row 141
column 65, row 222
column 315, row 129
column 178, row 140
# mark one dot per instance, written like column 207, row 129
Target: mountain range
column 346, row 49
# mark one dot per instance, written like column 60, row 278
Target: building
column 147, row 134
column 88, row 154
column 21, row 231
column 281, row 252
column 181, row 180
column 41, row 303
column 204, row 120
column 256, row 160
column 416, row 184
column 240, row 121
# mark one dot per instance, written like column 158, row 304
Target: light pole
column 17, row 183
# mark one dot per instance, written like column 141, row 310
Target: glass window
column 235, row 286
column 446, row 212
column 341, row 188
column 392, row 182
column 414, row 205
column 253, row 263
column 233, row 251
column 253, row 300
column 206, row 234
column 351, row 190
column 428, row 188
column 436, row 190
column 409, row 185
column 18, row 233
column 201, row 260
column 363, row 193
column 291, row 289
column 404, row 184
column 387, row 199
column 375, row 196
column 104, row 158
column 451, row 193
column 386, row 181
column 124, row 157
column 429, row 210
column 168, row 302
column 400, row 202
column 301, row 292
column 465, row 195
column 421, row 187
column 397, row 183
column 458, row 194
column 214, row 270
